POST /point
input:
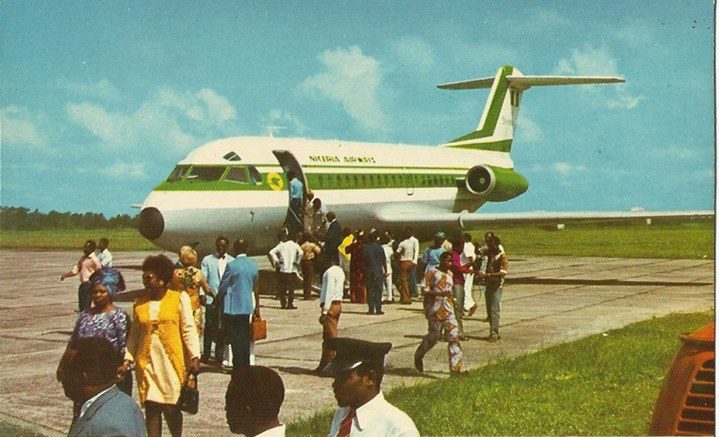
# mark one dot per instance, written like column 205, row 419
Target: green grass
column 600, row 385
column 689, row 240
column 63, row 239
column 686, row 240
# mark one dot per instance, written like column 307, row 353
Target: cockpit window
column 232, row 156
column 255, row 175
column 237, row 174
column 177, row 173
column 205, row 173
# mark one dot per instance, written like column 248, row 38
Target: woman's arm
column 190, row 338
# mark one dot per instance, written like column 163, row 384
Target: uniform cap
column 352, row 352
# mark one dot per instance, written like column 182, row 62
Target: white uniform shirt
column 406, row 250
column 278, row 431
column 332, row 287
column 415, row 244
column 467, row 253
column 288, row 255
column 105, row 257
column 376, row 418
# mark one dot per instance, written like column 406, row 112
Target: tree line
column 14, row 218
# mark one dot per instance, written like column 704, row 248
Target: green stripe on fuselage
column 494, row 146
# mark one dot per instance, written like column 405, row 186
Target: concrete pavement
column 547, row 300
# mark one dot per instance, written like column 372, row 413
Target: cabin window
column 255, row 175
column 205, row 173
column 237, row 174
column 178, row 173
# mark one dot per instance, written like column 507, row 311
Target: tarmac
column 546, row 301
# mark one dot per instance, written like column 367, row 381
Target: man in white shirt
column 331, row 306
column 413, row 270
column 103, row 255
column 286, row 258
column 358, row 369
column 253, row 400
column 467, row 257
column 408, row 262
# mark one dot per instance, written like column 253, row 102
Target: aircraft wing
column 419, row 215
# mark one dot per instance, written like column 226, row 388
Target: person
column 86, row 266
column 331, row 308
column 253, row 400
column 344, row 257
column 241, row 298
column 333, row 236
column 497, row 267
column 190, row 279
column 481, row 263
column 358, row 369
column 458, row 271
column 213, row 267
column 297, row 192
column 102, row 320
column 163, row 345
column 317, row 218
column 387, row 285
column 309, row 252
column 430, row 257
column 439, row 310
column 89, row 381
column 408, row 261
column 375, row 271
column 286, row 258
column 467, row 257
column 358, row 292
column 103, row 255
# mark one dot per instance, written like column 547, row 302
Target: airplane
column 237, row 187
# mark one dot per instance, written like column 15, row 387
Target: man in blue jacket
column 238, row 286
column 90, row 379
column 213, row 267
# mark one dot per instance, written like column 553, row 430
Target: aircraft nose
column 151, row 223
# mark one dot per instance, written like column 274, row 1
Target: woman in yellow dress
column 163, row 333
column 189, row 279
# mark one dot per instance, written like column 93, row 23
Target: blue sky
column 100, row 99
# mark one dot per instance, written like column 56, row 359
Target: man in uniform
column 358, row 369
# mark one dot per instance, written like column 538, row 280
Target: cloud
column 353, row 80
column 566, row 169
column 278, row 118
column 598, row 62
column 414, row 53
column 102, row 88
column 528, row 130
column 635, row 33
column 547, row 18
column 167, row 120
column 19, row 127
column 125, row 170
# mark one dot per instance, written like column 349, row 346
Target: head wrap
column 110, row 278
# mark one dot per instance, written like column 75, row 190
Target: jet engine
column 494, row 183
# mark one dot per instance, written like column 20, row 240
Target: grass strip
column 73, row 239
column 606, row 384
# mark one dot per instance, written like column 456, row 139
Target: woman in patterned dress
column 358, row 291
column 189, row 279
column 163, row 334
column 439, row 310
column 103, row 319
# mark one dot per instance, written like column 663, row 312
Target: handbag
column 258, row 329
column 189, row 399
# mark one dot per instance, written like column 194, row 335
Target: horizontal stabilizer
column 524, row 82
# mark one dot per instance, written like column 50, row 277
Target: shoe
column 463, row 337
column 486, row 319
column 418, row 364
column 493, row 337
column 379, row 313
column 204, row 359
column 458, row 374
column 291, row 307
column 226, row 369
column 370, row 312
column 472, row 310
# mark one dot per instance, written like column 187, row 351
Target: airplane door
column 294, row 220
column 408, row 182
